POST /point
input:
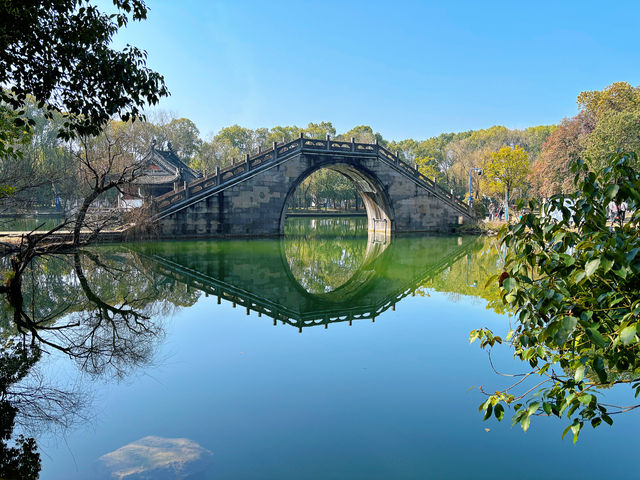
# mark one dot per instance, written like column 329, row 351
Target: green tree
column 363, row 134
column 573, row 285
column 429, row 168
column 282, row 134
column 616, row 130
column 608, row 121
column 320, row 130
column 184, row 137
column 59, row 52
column 505, row 171
column 617, row 97
column 13, row 132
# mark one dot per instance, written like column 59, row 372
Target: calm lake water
column 327, row 354
column 27, row 224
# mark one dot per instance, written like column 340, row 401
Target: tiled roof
column 170, row 168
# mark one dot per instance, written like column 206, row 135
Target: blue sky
column 407, row 68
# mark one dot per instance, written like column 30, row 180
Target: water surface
column 327, row 354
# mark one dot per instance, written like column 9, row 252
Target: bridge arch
column 248, row 198
column 374, row 195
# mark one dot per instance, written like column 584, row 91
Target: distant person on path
column 622, row 211
column 500, row 212
column 492, row 211
column 613, row 211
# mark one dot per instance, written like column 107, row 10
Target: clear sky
column 407, row 68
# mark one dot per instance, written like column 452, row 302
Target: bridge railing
column 277, row 151
column 383, row 152
column 223, row 175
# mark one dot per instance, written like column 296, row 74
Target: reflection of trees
column 28, row 402
column 328, row 254
column 96, row 307
column 458, row 278
column 19, row 457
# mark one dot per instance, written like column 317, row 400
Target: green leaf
column 592, row 266
column 611, row 192
column 491, row 280
column 579, row 375
column 595, row 336
column 629, row 256
column 598, row 366
column 621, row 272
column 628, row 334
column 606, row 263
column 488, row 412
column 575, row 428
column 524, row 423
column 499, row 412
column 567, row 326
column 578, row 276
column 508, row 284
column 586, row 398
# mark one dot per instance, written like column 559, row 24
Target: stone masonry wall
column 254, row 207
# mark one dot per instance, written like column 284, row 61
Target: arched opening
column 335, row 221
column 344, row 188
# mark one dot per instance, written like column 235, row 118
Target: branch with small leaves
column 573, row 287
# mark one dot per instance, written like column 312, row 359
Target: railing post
column 217, row 175
column 186, row 189
column 247, row 162
column 275, row 150
column 353, row 144
column 328, row 142
column 259, row 148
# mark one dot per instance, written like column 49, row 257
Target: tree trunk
column 82, row 213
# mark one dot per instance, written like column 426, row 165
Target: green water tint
column 333, row 272
column 28, row 224
column 318, row 279
column 324, row 253
column 171, row 318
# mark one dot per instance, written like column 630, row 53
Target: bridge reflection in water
column 304, row 281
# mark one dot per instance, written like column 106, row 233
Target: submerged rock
column 155, row 458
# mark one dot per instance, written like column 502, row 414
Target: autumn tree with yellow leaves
column 505, row 171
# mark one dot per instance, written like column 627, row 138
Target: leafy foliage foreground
column 574, row 285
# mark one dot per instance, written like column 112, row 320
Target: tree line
column 531, row 162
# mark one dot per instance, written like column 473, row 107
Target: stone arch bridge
column 249, row 198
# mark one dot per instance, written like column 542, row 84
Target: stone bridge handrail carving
column 194, row 191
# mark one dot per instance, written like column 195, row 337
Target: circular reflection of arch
column 331, row 269
column 369, row 187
